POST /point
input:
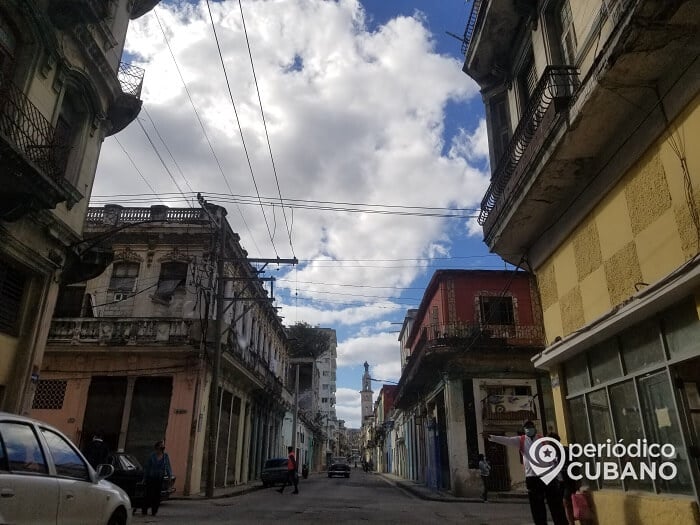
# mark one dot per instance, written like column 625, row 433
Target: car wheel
column 118, row 518
column 330, row 476
column 265, row 484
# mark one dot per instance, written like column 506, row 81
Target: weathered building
column 468, row 372
column 131, row 352
column 63, row 89
column 593, row 110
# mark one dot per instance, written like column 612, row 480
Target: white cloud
column 348, row 407
column 353, row 116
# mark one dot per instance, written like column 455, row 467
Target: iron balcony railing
column 129, row 215
column 552, row 95
column 471, row 24
column 33, row 136
column 131, row 79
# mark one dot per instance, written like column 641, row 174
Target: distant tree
column 307, row 341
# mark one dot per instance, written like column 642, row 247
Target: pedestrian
column 537, row 490
column 567, row 486
column 485, row 472
column 156, row 468
column 97, row 451
column 292, row 475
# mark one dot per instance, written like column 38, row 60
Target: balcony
column 128, row 103
column 104, row 331
column 549, row 101
column 33, row 158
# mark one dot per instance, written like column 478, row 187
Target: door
column 497, row 456
column 24, row 478
column 103, row 411
column 79, row 497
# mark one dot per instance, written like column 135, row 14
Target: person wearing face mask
column 537, row 490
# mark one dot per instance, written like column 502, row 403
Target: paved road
column 364, row 498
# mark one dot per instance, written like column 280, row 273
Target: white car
column 44, row 479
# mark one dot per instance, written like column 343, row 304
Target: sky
column 367, row 161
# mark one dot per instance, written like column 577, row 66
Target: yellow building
column 63, row 89
column 593, row 117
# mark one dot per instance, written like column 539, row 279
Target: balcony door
column 8, row 46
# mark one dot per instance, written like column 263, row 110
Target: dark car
column 274, row 471
column 339, row 467
column 128, row 474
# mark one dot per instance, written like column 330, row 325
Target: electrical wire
column 240, row 128
column 267, row 136
column 137, row 169
column 204, row 131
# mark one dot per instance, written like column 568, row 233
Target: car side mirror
column 104, row 471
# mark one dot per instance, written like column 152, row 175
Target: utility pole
column 216, row 357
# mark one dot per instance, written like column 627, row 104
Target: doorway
column 497, row 456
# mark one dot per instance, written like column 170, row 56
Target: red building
column 467, row 372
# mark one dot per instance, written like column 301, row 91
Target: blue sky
column 375, row 134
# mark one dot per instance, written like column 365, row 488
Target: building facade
column 468, row 374
column 592, row 109
column 131, row 352
column 63, row 89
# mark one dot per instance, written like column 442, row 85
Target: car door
column 28, row 493
column 80, row 498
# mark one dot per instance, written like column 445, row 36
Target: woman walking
column 156, row 468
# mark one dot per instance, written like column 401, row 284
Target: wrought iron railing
column 471, row 23
column 130, row 79
column 552, row 94
column 23, row 125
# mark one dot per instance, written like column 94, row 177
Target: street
column 364, row 498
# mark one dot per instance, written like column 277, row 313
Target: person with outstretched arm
column 537, row 490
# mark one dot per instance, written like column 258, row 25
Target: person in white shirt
column 537, row 490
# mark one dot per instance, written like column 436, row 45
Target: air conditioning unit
column 120, row 296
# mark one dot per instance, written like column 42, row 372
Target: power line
column 137, row 169
column 267, row 136
column 201, row 125
column 240, row 128
column 162, row 161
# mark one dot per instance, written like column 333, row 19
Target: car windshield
column 275, row 463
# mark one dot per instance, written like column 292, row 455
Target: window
column 50, row 394
column 22, row 447
column 67, row 461
column 124, row 275
column 324, row 400
column 500, row 127
column 8, row 47
column 12, row 285
column 325, row 387
column 497, row 310
column 568, row 34
column 70, row 301
column 69, row 134
column 173, row 277
column 527, row 80
column 631, row 396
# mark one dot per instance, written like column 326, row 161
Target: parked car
column 128, row 474
column 339, row 467
column 45, row 479
column 274, row 471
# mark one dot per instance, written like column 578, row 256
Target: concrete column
column 460, row 476
column 240, row 441
column 126, row 413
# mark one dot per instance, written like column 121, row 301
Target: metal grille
column 22, row 124
column 12, row 284
column 49, row 394
column 130, row 79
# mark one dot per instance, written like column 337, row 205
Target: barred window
column 49, row 394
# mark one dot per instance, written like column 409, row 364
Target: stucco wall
column 640, row 232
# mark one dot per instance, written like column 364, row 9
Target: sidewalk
column 424, row 492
